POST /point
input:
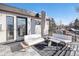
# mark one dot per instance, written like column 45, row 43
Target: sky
column 64, row 12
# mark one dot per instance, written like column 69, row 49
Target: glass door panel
column 10, row 27
column 21, row 27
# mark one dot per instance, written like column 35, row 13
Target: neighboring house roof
column 6, row 8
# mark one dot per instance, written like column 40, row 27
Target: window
column 10, row 27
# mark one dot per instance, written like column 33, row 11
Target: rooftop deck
column 41, row 49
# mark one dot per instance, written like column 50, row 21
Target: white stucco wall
column 15, row 28
column 38, row 29
column 3, row 30
column 35, row 28
column 46, row 27
column 28, row 25
column 32, row 28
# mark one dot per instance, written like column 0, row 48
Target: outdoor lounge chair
column 32, row 39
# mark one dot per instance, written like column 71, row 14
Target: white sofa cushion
column 33, row 39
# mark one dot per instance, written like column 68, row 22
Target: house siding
column 3, row 27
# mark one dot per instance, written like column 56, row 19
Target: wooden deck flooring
column 44, row 50
column 40, row 49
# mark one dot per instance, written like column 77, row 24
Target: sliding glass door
column 10, row 27
column 21, row 27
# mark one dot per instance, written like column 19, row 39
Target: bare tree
column 76, row 24
column 52, row 26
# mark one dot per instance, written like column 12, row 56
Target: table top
column 58, row 38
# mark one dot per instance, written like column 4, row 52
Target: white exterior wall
column 28, row 25
column 3, row 32
column 15, row 29
column 46, row 27
column 3, row 37
column 3, row 29
column 38, row 29
column 31, row 26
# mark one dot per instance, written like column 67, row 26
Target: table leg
column 49, row 43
